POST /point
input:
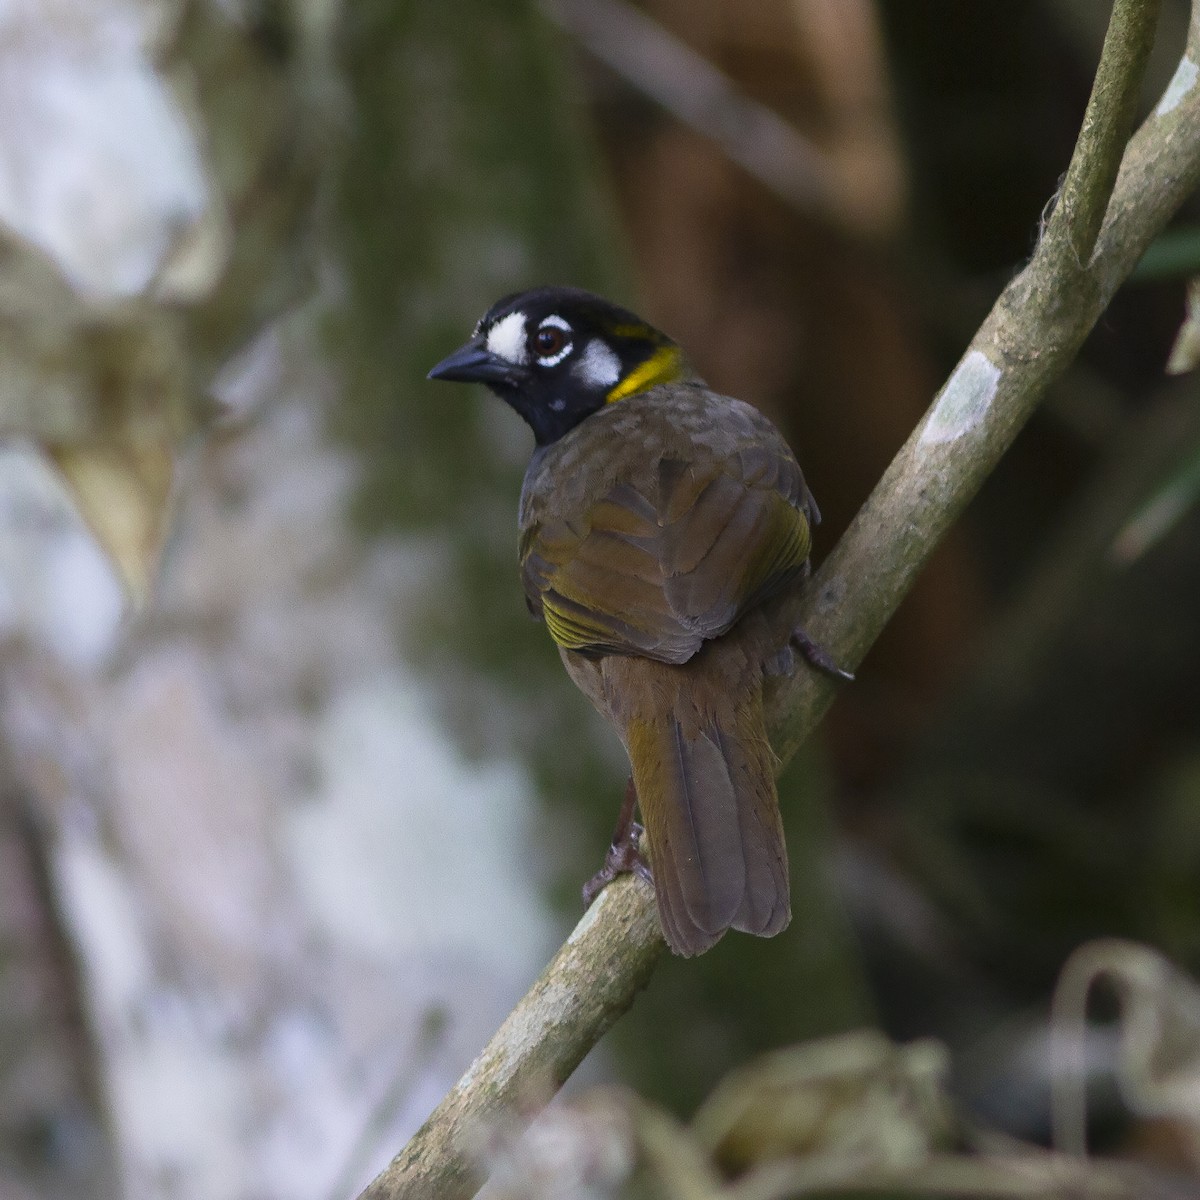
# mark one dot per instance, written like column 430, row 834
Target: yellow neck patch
column 665, row 365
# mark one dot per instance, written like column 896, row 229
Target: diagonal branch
column 1107, row 122
column 1025, row 343
column 589, row 983
column 1029, row 338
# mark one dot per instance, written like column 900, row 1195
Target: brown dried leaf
column 123, row 491
column 855, row 1098
column 1185, row 353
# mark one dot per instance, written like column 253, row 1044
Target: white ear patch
column 599, row 366
column 506, row 339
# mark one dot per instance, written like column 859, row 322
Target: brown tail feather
column 706, row 788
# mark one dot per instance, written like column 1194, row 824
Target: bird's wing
column 657, row 566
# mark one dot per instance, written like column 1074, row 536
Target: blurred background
column 295, row 801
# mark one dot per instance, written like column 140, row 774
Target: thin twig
column 1028, row 339
column 688, row 86
column 1026, row 1176
column 1134, row 972
column 1079, row 554
column 1107, row 122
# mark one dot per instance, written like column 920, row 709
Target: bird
column 664, row 537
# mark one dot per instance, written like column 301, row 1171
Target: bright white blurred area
column 293, row 906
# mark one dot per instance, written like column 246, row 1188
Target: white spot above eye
column 554, row 321
column 506, row 339
column 599, row 367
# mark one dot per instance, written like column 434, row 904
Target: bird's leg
column 624, row 854
column 817, row 656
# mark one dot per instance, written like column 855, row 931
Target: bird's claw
column 624, row 857
column 817, row 656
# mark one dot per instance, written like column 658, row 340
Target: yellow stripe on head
column 665, row 365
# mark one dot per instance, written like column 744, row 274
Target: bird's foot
column 817, row 656
column 623, row 857
column 624, row 852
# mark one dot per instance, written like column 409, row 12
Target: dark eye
column 549, row 341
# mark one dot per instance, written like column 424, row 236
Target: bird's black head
column 559, row 354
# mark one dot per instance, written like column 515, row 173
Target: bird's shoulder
column 681, row 423
column 655, row 523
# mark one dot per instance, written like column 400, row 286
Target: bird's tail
column 705, row 780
